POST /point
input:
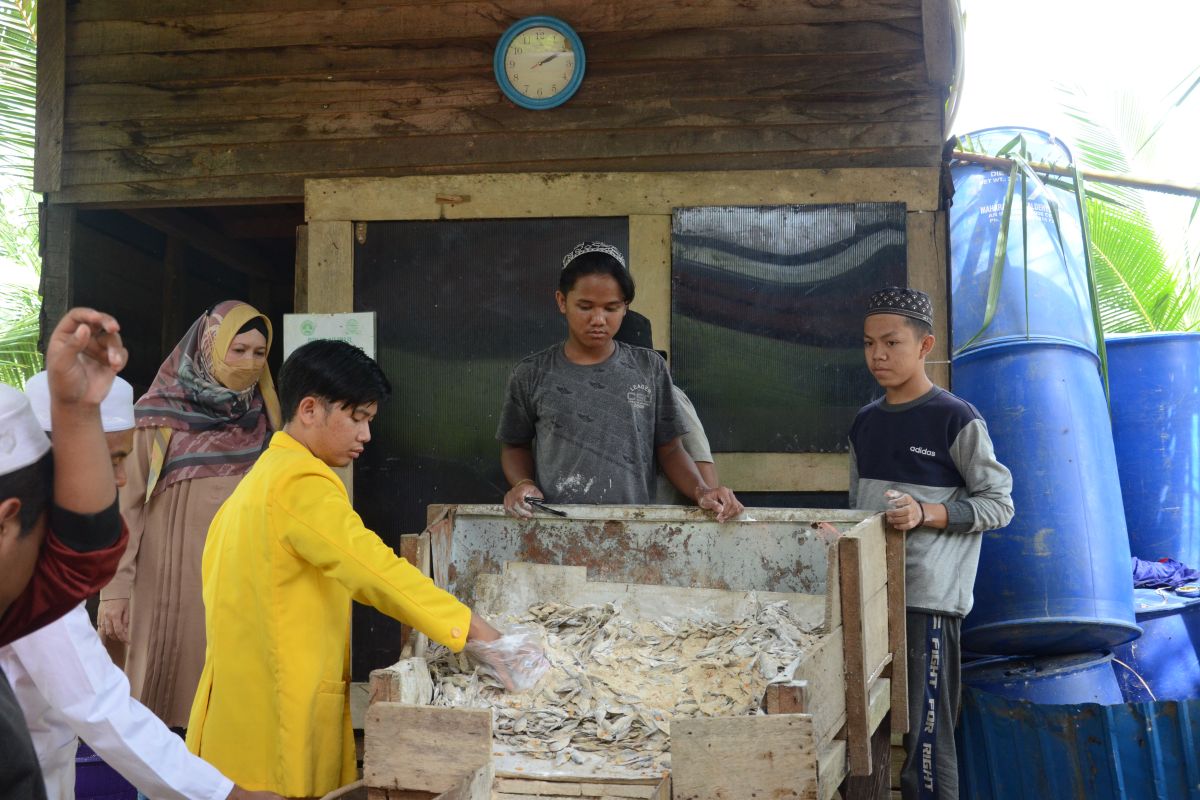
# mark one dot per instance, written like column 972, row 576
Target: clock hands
column 546, row 60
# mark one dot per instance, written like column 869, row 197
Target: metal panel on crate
column 766, row 318
column 668, row 545
column 1013, row 750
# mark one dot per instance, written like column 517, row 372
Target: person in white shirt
column 68, row 687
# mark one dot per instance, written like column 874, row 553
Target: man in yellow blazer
column 285, row 555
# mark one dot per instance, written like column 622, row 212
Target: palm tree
column 19, row 305
column 1147, row 274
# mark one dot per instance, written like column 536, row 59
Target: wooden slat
column 853, row 623
column 425, row 748
column 353, row 26
column 414, row 547
column 607, row 194
column 459, row 52
column 823, row 671
column 145, row 164
column 744, row 757
column 476, row 786
column 928, row 250
column 831, row 769
column 300, row 282
column 765, row 79
column 381, row 119
column 897, row 637
column 787, row 698
column 50, row 94
column 330, row 267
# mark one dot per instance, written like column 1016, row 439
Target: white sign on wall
column 358, row 329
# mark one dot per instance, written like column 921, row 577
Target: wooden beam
column 784, row 472
column 858, row 734
column 56, row 240
column 584, row 194
column 300, row 283
column 650, row 266
column 897, row 629
column 330, row 267
column 928, row 270
column 1114, row 178
column 51, row 95
column 204, row 239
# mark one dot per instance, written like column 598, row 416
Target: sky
column 1017, row 51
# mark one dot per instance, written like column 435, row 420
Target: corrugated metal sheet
column 1013, row 750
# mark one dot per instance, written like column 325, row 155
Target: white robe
column 68, row 687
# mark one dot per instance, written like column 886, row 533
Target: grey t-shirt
column 695, row 442
column 594, row 428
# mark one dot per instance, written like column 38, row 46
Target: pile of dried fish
column 615, row 684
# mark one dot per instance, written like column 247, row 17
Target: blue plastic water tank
column 1167, row 655
column 1043, row 297
column 1056, row 580
column 1080, row 678
column 1154, row 380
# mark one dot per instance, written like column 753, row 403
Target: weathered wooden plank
column 476, row 786
column 783, row 472
column 50, row 95
column 831, row 769
column 112, row 166
column 330, row 267
column 607, row 194
column 355, row 26
column 650, row 266
column 857, row 675
column 214, row 128
column 284, row 187
column 769, row 757
column 300, row 281
column 423, row 747
column 616, row 82
column 56, row 234
column 787, row 698
column 928, row 252
column 897, row 631
column 459, row 52
column 824, row 672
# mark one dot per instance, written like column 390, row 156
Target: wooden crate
column 848, row 586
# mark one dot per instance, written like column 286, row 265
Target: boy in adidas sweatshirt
column 924, row 456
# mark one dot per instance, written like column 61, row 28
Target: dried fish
column 616, row 683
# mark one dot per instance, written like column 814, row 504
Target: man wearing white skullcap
column 61, row 535
column 68, row 687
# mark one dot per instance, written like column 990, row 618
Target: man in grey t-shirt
column 589, row 424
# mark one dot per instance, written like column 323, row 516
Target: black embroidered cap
column 899, row 300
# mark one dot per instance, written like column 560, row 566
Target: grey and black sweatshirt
column 937, row 449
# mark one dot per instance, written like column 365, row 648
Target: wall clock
column 539, row 62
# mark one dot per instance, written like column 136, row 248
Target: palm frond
column 18, row 87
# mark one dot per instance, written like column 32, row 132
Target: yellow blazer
column 285, row 555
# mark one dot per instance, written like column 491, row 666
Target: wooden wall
column 174, row 102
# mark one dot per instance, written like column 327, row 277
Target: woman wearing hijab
column 208, row 415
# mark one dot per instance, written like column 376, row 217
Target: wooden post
column 650, row 266
column 57, row 240
column 897, row 627
column 858, row 733
column 51, row 95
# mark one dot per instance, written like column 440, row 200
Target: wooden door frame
column 333, row 208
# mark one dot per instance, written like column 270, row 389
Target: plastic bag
column 517, row 659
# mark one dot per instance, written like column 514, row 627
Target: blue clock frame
column 564, row 94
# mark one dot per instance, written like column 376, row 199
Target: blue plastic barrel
column 1154, row 381
column 1164, row 663
column 1043, row 293
column 96, row 780
column 1056, row 580
column 1080, row 678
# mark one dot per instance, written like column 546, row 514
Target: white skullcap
column 22, row 440
column 116, row 412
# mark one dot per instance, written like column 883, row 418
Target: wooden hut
column 192, row 150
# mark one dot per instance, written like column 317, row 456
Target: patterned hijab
column 203, row 428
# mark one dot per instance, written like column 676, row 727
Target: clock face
column 539, row 63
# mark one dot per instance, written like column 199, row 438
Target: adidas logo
column 921, row 451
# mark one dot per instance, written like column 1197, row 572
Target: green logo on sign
column 308, row 327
